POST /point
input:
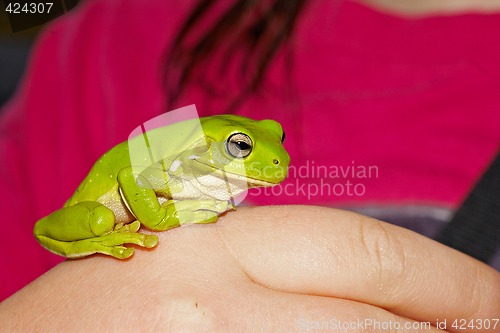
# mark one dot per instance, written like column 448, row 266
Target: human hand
column 281, row 268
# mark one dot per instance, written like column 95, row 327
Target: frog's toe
column 122, row 252
column 134, row 226
column 199, row 217
column 150, row 241
column 130, row 227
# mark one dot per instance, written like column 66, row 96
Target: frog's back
column 158, row 144
column 103, row 176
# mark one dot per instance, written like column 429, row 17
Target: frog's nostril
column 276, row 161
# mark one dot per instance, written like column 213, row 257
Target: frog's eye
column 239, row 145
column 283, row 137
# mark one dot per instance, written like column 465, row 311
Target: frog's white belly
column 114, row 201
column 210, row 187
column 207, row 187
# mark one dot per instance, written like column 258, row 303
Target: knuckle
column 385, row 252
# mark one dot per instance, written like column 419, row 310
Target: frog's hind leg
column 87, row 228
column 111, row 245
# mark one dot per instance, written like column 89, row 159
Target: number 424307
column 29, row 8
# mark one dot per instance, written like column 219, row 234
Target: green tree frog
column 194, row 180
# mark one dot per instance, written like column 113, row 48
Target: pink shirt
column 406, row 111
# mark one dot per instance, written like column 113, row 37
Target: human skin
column 263, row 269
column 430, row 7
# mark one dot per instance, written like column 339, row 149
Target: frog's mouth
column 235, row 178
column 252, row 182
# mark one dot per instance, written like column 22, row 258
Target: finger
column 246, row 307
column 328, row 252
column 206, row 290
column 285, row 312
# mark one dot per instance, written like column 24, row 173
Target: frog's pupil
column 242, row 145
column 239, row 145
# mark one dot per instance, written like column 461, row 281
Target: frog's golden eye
column 239, row 145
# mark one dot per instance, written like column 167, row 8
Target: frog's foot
column 87, row 228
column 176, row 213
column 198, row 217
column 200, row 212
column 216, row 206
column 112, row 244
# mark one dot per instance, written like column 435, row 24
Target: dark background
column 15, row 47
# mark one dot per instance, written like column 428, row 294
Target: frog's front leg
column 142, row 200
column 87, row 228
column 190, row 212
column 200, row 211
